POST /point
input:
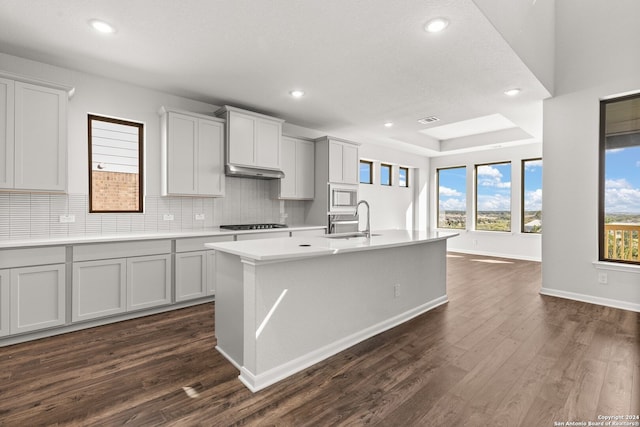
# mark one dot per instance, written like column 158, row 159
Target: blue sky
column 622, row 180
column 494, row 187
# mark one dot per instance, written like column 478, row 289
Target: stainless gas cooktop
column 252, row 226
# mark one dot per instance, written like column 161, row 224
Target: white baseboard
column 258, row 382
column 624, row 305
column 229, row 358
column 494, row 254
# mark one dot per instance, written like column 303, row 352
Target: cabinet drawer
column 97, row 251
column 197, row 243
column 11, row 258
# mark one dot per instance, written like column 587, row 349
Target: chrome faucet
column 367, row 231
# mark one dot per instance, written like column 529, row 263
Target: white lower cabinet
column 99, row 289
column 5, row 304
column 195, row 267
column 37, row 297
column 114, row 278
column 148, row 281
column 191, row 275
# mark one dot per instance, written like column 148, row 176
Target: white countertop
column 123, row 237
column 283, row 249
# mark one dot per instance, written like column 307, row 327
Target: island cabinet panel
column 256, row 236
column 99, row 289
column 191, row 275
column 37, row 297
column 148, row 281
column 5, row 303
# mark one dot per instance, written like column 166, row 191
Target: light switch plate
column 200, row 217
column 167, row 217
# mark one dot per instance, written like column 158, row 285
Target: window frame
column 522, row 195
column 370, row 164
column 475, row 188
column 466, row 208
column 406, row 181
column 383, row 166
column 602, row 150
column 140, row 126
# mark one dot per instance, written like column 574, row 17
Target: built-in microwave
column 343, row 198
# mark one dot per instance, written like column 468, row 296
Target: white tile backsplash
column 31, row 215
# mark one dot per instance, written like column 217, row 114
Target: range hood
column 252, row 172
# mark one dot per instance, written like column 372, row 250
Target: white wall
column 396, row 207
column 512, row 244
column 593, row 62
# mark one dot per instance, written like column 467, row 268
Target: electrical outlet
column 396, row 290
column 167, row 217
column 67, row 218
column 602, row 278
column 200, row 217
column 475, row 243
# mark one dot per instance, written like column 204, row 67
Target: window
column 619, row 213
column 385, row 174
column 532, row 196
column 115, row 165
column 366, row 172
column 493, row 197
column 403, row 177
column 452, row 197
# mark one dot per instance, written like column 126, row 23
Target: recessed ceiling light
column 388, row 124
column 297, row 93
column 101, row 26
column 512, row 92
column 436, row 25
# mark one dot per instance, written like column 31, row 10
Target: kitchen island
column 283, row 305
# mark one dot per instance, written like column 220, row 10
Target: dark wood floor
column 498, row 354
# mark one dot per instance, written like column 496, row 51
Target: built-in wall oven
column 343, row 199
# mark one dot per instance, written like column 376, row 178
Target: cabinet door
column 243, row 135
column 288, row 158
column 181, row 154
column 335, row 162
column 6, row 133
column 305, row 169
column 350, row 164
column 191, row 275
column 148, row 281
column 268, row 135
column 99, row 289
column 37, row 297
column 5, row 304
column 211, row 272
column 40, row 138
column 210, row 158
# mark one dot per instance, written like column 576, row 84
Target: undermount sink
column 348, row 235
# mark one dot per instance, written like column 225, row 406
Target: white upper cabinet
column 252, row 139
column 343, row 162
column 298, row 164
column 33, row 136
column 192, row 154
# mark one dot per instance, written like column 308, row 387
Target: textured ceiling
column 360, row 62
